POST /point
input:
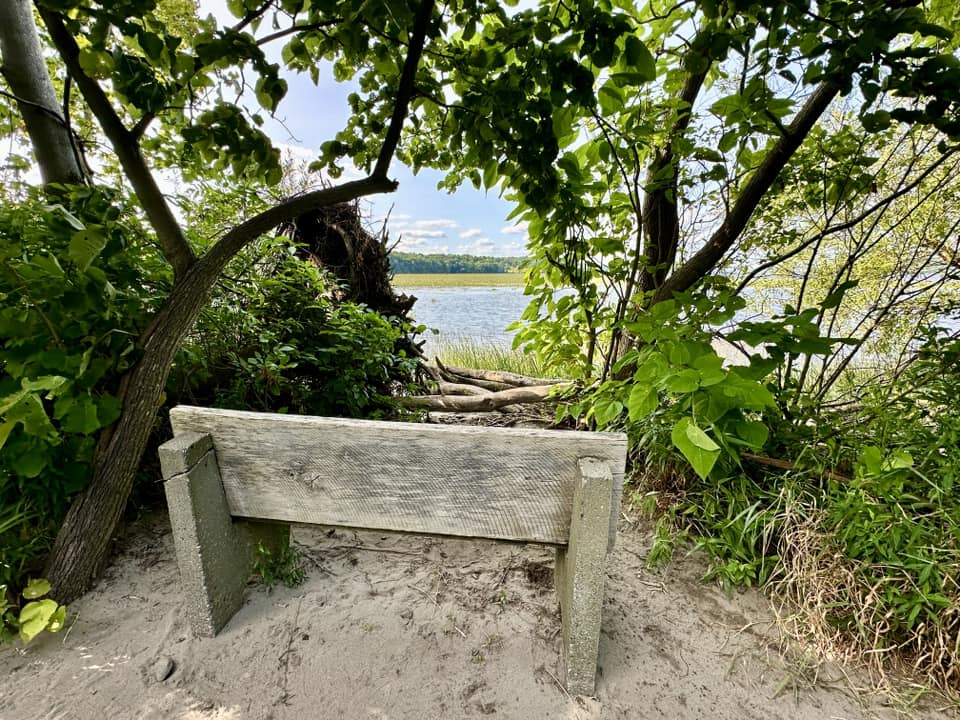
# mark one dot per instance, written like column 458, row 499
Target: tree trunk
column 82, row 546
column 26, row 72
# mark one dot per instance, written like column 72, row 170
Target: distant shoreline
column 457, row 279
column 403, row 263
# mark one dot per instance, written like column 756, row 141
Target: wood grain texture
column 501, row 483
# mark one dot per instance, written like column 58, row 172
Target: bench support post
column 580, row 574
column 216, row 553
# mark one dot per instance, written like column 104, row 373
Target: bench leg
column 580, row 575
column 216, row 553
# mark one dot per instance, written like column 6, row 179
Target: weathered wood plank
column 501, row 483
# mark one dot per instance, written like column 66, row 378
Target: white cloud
column 483, row 246
column 515, row 229
column 424, row 233
column 442, row 223
column 472, row 232
column 401, row 217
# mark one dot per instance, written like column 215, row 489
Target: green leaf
column 5, row 430
column 10, row 401
column 836, row 297
column 685, row 381
column 45, row 382
column 71, row 219
column 30, row 464
column 640, row 59
column 151, row 43
column 96, row 63
column 36, row 589
column 86, row 245
column 82, row 417
column 610, row 97
column 57, row 620
column 643, row 400
column 34, row 618
column 753, row 433
column 696, row 446
column 871, row 460
column 898, row 460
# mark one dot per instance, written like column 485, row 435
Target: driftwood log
column 480, row 403
column 474, row 390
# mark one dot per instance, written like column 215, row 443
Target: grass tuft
column 468, row 352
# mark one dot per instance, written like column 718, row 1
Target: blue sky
column 423, row 218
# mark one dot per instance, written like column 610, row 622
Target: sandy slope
column 390, row 626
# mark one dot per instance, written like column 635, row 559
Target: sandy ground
column 390, row 626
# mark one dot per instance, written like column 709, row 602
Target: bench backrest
column 500, row 483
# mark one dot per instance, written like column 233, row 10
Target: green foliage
column 77, row 282
column 277, row 340
column 28, row 620
column 401, row 262
column 283, row 566
column 674, row 384
column 870, row 560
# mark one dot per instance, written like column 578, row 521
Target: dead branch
column 484, row 384
column 451, row 388
column 481, row 403
column 505, row 378
column 787, row 465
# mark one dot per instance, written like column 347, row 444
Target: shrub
column 275, row 338
column 77, row 284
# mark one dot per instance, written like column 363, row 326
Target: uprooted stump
column 336, row 239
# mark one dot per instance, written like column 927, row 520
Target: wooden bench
column 235, row 479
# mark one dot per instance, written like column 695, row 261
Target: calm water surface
column 475, row 313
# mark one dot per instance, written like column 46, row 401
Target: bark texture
column 25, row 71
column 81, row 549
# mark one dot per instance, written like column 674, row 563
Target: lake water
column 480, row 314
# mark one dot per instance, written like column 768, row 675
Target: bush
column 863, row 535
column 278, row 340
column 78, row 282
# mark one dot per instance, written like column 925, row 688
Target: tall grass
column 468, row 352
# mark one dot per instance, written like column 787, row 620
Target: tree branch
column 704, row 260
column 846, row 225
column 295, row 29
column 204, row 272
column 408, row 76
column 661, row 220
column 25, row 70
column 173, row 243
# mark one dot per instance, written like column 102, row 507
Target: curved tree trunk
column 82, row 546
column 25, row 71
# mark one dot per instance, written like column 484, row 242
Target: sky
column 422, row 218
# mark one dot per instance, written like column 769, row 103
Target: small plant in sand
column 36, row 615
column 280, row 566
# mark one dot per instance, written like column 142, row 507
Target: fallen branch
column 787, row 465
column 506, row 378
column 484, row 384
column 480, row 403
column 452, row 388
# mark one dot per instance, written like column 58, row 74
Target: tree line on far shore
column 401, row 262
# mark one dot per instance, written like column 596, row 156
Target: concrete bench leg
column 580, row 575
column 216, row 553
